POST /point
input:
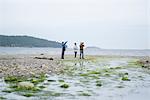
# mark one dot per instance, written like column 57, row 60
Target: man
column 75, row 50
column 81, row 50
column 63, row 49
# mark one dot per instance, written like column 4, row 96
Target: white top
column 75, row 48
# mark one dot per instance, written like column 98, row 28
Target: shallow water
column 83, row 87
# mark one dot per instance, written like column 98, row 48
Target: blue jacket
column 64, row 46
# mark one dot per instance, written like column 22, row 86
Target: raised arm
column 65, row 43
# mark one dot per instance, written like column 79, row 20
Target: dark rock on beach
column 44, row 58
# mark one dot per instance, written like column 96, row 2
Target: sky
column 108, row 24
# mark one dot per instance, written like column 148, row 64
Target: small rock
column 99, row 84
column 51, row 59
column 143, row 66
column 25, row 85
column 147, row 61
column 50, row 80
column 41, row 54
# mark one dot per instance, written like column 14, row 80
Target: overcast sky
column 114, row 24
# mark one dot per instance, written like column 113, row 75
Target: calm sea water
column 57, row 51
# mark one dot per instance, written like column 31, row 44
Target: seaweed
column 85, row 94
column 94, row 72
column 8, row 91
column 65, row 85
column 2, row 98
column 98, row 83
column 28, row 95
column 14, row 79
column 125, row 78
column 120, row 87
column 41, row 87
column 61, row 80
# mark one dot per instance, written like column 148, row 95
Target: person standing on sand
column 63, row 49
column 75, row 50
column 81, row 50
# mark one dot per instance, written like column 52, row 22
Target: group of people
column 75, row 48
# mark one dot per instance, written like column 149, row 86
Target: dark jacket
column 81, row 46
column 64, row 46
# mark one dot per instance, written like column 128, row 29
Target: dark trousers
column 75, row 54
column 81, row 54
column 62, row 54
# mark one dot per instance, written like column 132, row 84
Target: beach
column 30, row 64
column 109, row 77
column 27, row 65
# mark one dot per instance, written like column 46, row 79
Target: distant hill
column 93, row 47
column 26, row 41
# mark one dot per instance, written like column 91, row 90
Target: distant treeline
column 26, row 41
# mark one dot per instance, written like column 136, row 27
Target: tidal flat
column 95, row 77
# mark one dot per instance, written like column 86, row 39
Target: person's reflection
column 81, row 63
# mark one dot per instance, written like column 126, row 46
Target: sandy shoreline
column 27, row 65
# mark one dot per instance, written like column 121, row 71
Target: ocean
column 57, row 51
